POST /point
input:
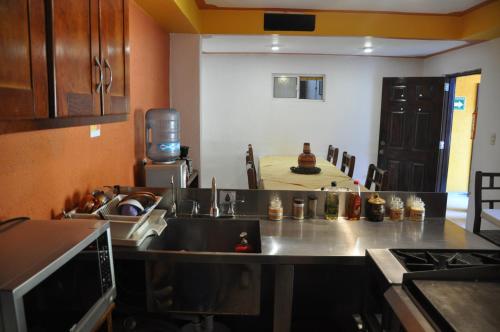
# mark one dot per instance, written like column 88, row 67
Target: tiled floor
column 456, row 210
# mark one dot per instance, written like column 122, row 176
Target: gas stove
column 408, row 271
column 427, row 260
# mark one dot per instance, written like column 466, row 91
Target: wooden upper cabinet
column 63, row 63
column 76, row 58
column 114, row 53
column 90, row 45
column 23, row 62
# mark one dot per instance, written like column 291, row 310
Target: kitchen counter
column 325, row 242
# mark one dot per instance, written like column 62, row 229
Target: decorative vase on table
column 306, row 158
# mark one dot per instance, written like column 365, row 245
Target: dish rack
column 109, row 211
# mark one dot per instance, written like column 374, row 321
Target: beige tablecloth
column 275, row 174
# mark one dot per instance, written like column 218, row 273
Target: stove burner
column 426, row 260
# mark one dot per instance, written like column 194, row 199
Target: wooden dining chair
column 333, row 155
column 249, row 157
column 376, row 176
column 252, row 176
column 348, row 162
column 479, row 200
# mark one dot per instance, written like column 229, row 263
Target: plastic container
column 396, row 209
column 417, row 210
column 275, row 210
column 162, row 135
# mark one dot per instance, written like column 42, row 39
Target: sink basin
column 207, row 235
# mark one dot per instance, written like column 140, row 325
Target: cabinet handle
column 98, row 65
column 108, row 85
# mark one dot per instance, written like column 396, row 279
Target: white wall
column 185, row 89
column 484, row 56
column 237, row 108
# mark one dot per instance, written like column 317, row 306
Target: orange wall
column 42, row 172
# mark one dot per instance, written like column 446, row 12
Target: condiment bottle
column 312, row 206
column 375, row 208
column 396, row 209
column 243, row 245
column 298, row 208
column 275, row 210
column 354, row 204
column 332, row 203
column 417, row 210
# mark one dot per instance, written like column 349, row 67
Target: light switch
column 493, row 138
column 95, row 131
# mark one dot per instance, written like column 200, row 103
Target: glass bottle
column 354, row 206
column 332, row 203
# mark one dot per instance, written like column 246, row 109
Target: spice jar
column 417, row 210
column 275, row 210
column 298, row 208
column 312, row 205
column 396, row 209
column 375, row 208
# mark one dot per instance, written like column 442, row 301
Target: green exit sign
column 459, row 104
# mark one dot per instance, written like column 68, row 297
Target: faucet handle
column 195, row 209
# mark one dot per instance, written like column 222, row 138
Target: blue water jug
column 162, row 135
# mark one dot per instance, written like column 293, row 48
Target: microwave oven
column 55, row 275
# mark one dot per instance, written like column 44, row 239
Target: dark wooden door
column 114, row 51
column 76, row 59
column 23, row 61
column 410, row 132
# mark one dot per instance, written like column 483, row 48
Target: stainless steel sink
column 206, row 286
column 207, row 235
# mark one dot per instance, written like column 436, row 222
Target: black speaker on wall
column 289, row 22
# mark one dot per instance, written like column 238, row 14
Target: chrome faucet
column 214, row 208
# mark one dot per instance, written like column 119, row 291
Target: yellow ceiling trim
column 339, row 24
column 184, row 16
column 190, row 9
column 482, row 23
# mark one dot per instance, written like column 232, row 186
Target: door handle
column 381, row 151
column 108, row 66
column 98, row 65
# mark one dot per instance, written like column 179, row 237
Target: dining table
column 275, row 174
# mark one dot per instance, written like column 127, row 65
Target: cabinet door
column 75, row 55
column 23, row 69
column 114, row 51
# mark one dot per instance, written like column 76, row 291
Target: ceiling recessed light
column 275, row 48
column 368, row 49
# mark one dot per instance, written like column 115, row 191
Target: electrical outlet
column 493, row 138
column 226, row 193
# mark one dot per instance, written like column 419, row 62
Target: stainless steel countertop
column 321, row 241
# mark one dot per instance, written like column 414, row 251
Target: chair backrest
column 252, row 176
column 376, row 176
column 478, row 196
column 332, row 155
column 251, row 170
column 348, row 162
column 250, row 154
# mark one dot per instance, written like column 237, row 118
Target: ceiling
column 325, row 45
column 407, row 6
